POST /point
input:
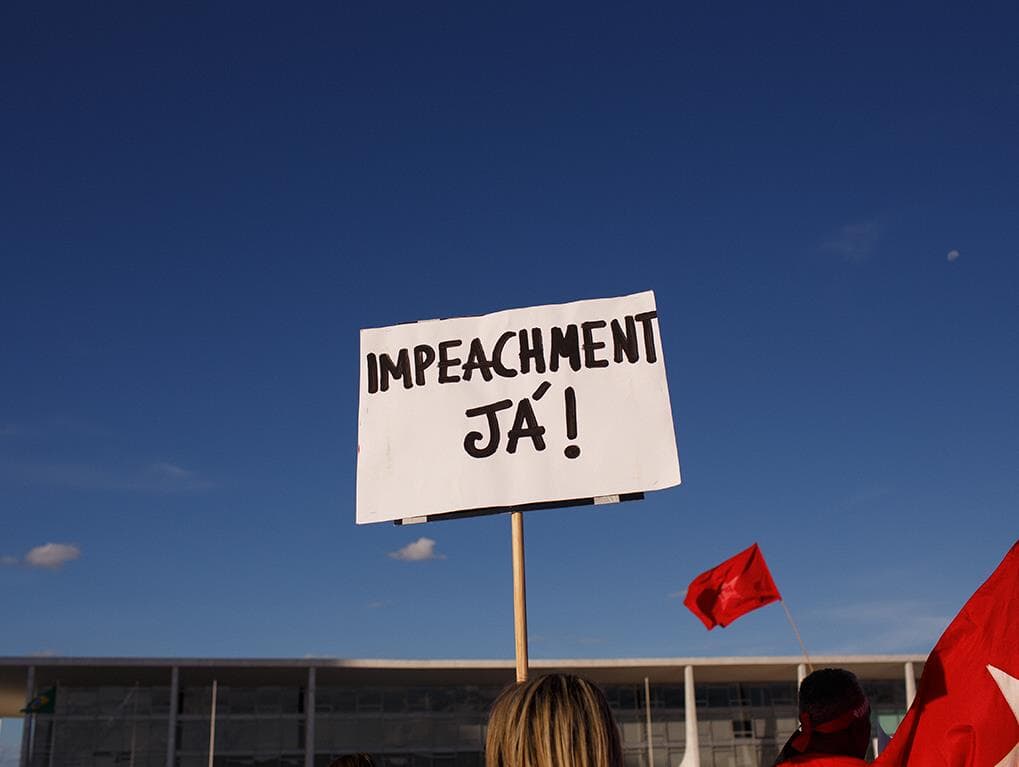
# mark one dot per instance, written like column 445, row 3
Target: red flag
column 966, row 711
column 737, row 586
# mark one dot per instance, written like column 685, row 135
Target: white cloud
column 854, row 242
column 52, row 555
column 8, row 561
column 889, row 626
column 169, row 477
column 418, row 551
column 170, row 470
column 952, row 254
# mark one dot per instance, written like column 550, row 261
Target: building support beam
column 171, row 731
column 309, row 720
column 26, row 728
column 692, row 754
column 910, row 683
column 647, row 714
column 53, row 725
column 212, row 723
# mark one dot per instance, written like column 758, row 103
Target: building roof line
column 455, row 663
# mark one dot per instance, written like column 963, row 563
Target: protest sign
column 542, row 404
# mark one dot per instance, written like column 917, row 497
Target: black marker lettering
column 424, row 355
column 580, row 345
column 564, row 344
column 373, row 373
column 644, row 318
column 525, row 425
column 497, row 365
column 476, row 360
column 399, row 369
column 534, row 350
column 474, row 437
column 625, row 342
column 591, row 346
column 571, row 451
column 446, row 362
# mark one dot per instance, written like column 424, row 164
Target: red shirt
column 825, row 760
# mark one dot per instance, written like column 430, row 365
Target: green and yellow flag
column 43, row 703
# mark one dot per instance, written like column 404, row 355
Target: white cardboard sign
column 543, row 404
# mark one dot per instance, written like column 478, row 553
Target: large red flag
column 966, row 712
column 733, row 588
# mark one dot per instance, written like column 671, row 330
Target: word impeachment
column 517, row 352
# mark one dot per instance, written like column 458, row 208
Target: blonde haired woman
column 555, row 720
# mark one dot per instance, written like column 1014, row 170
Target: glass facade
column 263, row 726
column 739, row 724
column 404, row 726
column 103, row 726
column 887, row 705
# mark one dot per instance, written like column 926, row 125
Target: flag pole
column 134, row 724
column 519, row 595
column 647, row 713
column 796, row 631
column 212, row 724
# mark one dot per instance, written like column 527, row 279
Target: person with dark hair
column 834, row 726
column 353, row 760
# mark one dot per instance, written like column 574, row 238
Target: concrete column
column 647, row 715
column 692, row 754
column 212, row 723
column 171, row 732
column 309, row 720
column 26, row 728
column 801, row 674
column 910, row 683
column 53, row 726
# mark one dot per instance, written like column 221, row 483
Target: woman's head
column 555, row 720
column 834, row 716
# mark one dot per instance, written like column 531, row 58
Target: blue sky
column 202, row 206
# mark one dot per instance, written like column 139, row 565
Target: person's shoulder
column 825, row 760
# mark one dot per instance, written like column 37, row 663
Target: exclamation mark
column 571, row 451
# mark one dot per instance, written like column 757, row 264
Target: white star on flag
column 1009, row 687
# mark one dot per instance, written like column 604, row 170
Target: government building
column 156, row 712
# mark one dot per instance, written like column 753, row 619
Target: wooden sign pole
column 519, row 595
column 519, row 581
